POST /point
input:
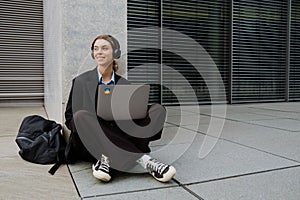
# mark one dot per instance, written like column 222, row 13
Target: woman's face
column 103, row 53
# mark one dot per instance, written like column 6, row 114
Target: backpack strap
column 61, row 158
column 54, row 168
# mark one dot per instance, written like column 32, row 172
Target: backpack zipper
column 24, row 138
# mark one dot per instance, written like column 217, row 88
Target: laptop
column 122, row 102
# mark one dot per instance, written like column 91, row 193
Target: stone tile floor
column 250, row 152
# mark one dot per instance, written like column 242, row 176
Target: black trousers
column 122, row 141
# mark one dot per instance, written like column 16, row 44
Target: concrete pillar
column 70, row 27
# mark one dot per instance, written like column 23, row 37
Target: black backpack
column 40, row 141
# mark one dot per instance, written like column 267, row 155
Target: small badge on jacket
column 107, row 91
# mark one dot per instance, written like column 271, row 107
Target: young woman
column 113, row 148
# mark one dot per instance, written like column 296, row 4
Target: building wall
column 53, row 59
column 74, row 24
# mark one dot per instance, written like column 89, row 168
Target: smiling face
column 103, row 53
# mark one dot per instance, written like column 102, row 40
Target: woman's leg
column 102, row 137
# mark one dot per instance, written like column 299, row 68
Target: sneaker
column 160, row 171
column 101, row 169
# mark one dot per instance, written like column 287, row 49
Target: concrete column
column 70, row 27
column 53, row 59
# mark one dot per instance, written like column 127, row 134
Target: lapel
column 120, row 80
column 92, row 84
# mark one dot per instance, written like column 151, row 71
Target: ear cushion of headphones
column 117, row 53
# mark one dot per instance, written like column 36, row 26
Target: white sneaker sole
column 102, row 176
column 168, row 176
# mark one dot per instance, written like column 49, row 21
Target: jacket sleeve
column 69, row 111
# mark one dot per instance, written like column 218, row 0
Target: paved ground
column 256, row 155
column 24, row 180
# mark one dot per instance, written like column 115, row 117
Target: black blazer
column 84, row 90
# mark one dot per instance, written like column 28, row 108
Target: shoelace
column 155, row 165
column 104, row 163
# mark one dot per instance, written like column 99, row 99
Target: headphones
column 114, row 43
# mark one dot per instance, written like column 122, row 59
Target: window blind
column 207, row 23
column 259, row 50
column 21, row 51
column 144, row 46
column 294, row 82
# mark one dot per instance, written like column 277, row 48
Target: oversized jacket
column 83, row 96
